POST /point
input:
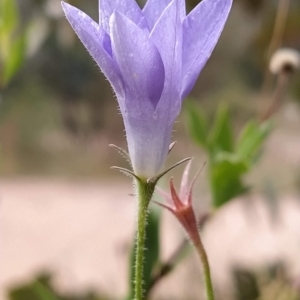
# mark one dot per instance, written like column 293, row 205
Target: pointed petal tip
column 172, row 188
column 129, row 8
column 70, row 10
column 141, row 54
column 113, row 17
column 66, row 6
column 201, row 38
column 117, row 19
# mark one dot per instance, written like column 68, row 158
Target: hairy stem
column 144, row 193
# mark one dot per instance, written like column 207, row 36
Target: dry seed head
column 284, row 59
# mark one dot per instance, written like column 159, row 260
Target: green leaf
column 246, row 285
column 225, row 177
column 15, row 58
column 8, row 24
column 8, row 16
column 221, row 135
column 251, row 139
column 151, row 258
column 39, row 289
column 43, row 292
column 197, row 124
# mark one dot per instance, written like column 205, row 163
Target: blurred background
column 67, row 219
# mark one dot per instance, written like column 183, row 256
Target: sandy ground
column 76, row 229
column 82, row 230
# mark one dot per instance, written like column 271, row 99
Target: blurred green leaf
column 221, row 135
column 245, row 285
column 12, row 43
column 197, row 124
column 41, row 289
column 228, row 161
column 43, row 292
column 8, row 17
column 151, row 258
column 15, row 58
column 225, row 177
column 252, row 138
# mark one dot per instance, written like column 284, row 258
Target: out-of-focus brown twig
column 284, row 63
column 278, row 96
column 276, row 40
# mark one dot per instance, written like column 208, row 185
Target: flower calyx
column 180, row 205
column 152, row 180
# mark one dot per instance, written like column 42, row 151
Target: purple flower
column 152, row 58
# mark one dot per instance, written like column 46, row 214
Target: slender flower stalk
column 181, row 207
column 145, row 191
column 206, row 269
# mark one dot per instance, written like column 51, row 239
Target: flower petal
column 148, row 144
column 201, row 31
column 167, row 36
column 129, row 8
column 140, row 63
column 154, row 8
column 97, row 42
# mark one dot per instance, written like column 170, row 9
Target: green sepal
column 121, row 151
column 155, row 179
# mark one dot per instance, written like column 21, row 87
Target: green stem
column 206, row 269
column 144, row 192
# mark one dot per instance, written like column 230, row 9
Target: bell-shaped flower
column 152, row 58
